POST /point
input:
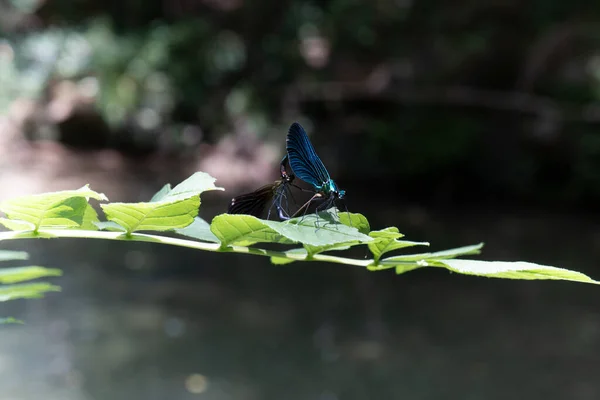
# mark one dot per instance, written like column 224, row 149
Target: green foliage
column 318, row 232
column 62, row 214
column 66, row 209
column 11, row 287
column 387, row 240
column 169, row 208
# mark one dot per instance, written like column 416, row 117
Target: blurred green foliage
column 526, row 124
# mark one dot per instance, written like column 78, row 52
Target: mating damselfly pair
column 304, row 163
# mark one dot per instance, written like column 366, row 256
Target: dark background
column 458, row 122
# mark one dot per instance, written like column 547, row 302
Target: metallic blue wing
column 302, row 158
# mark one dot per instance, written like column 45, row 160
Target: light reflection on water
column 153, row 322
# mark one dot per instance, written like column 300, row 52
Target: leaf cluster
column 175, row 210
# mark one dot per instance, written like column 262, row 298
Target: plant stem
column 141, row 237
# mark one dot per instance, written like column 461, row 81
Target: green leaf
column 245, row 230
column 284, row 260
column 109, row 226
column 199, row 229
column 513, row 270
column 20, row 274
column 163, row 215
column 452, row 253
column 312, row 250
column 17, row 225
column 65, row 209
column 26, row 290
column 90, row 218
column 10, row 320
column 387, row 240
column 170, row 209
column 158, row 196
column 408, row 262
column 194, row 185
column 7, row 255
column 491, row 269
column 355, row 220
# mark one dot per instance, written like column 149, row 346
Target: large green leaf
column 353, row 220
column 169, row 209
column 17, row 225
column 64, row 209
column 310, row 230
column 512, row 270
column 491, row 269
column 387, row 240
column 155, row 216
column 244, row 230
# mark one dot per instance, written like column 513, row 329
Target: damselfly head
column 331, row 189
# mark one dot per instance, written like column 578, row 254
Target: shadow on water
column 147, row 321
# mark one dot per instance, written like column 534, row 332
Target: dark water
column 145, row 321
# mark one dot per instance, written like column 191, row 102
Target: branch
column 191, row 244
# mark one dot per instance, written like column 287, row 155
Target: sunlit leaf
column 16, row 225
column 312, row 250
column 512, row 270
column 90, row 218
column 64, row 209
column 244, row 230
column 163, row 215
column 354, row 220
column 408, row 262
column 452, row 253
column 169, row 210
column 309, row 230
column 386, row 240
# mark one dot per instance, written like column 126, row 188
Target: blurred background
column 458, row 122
